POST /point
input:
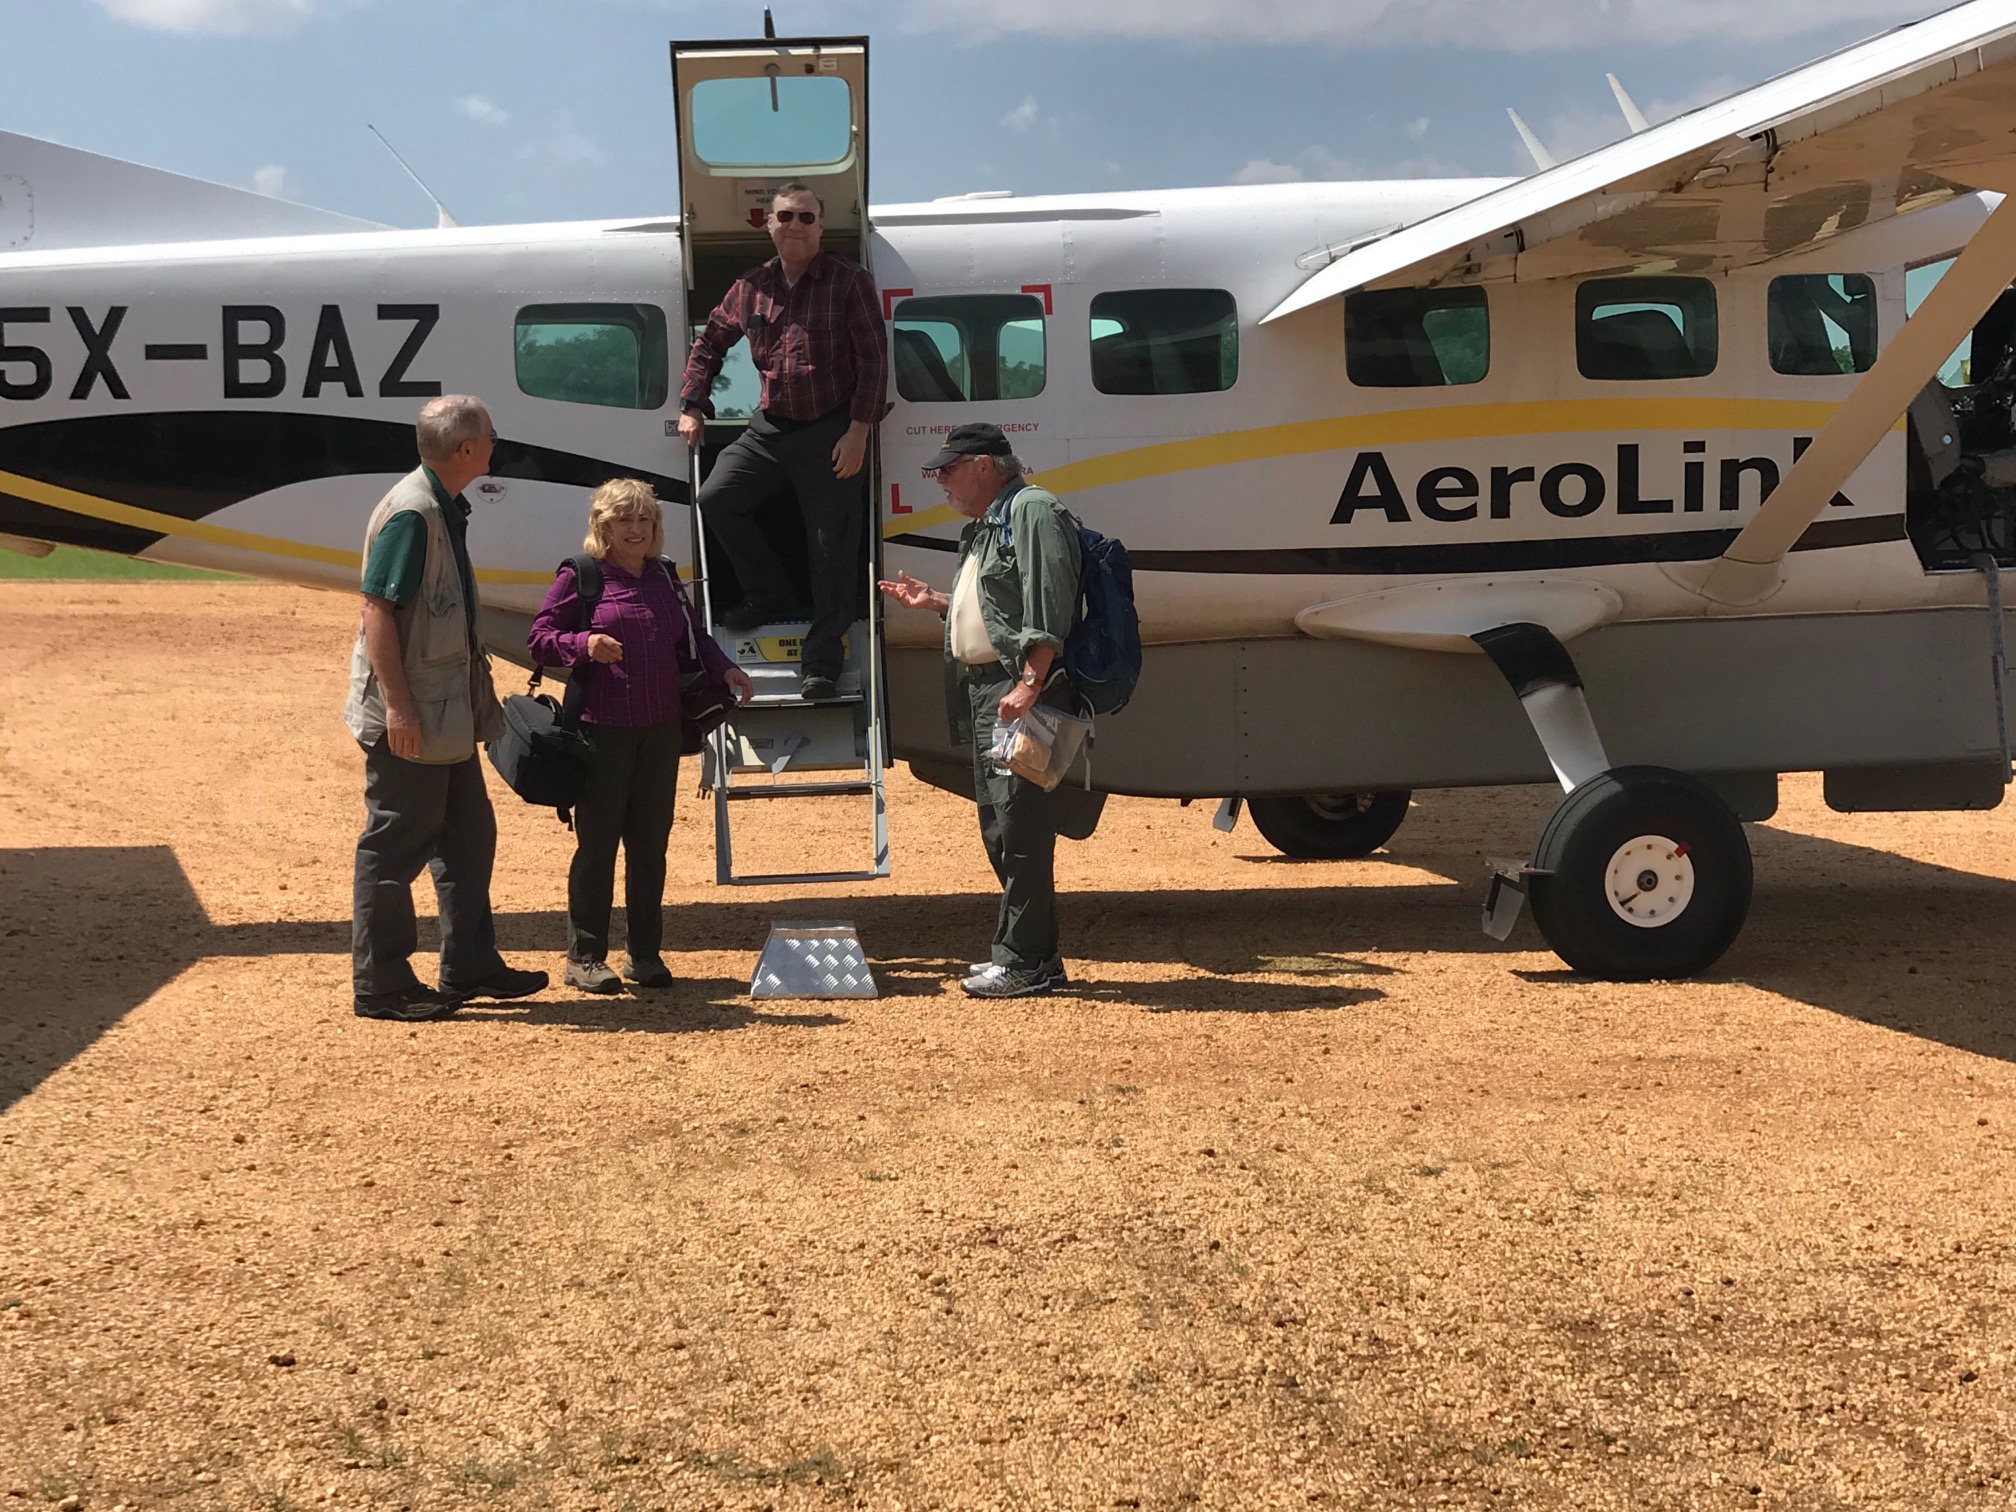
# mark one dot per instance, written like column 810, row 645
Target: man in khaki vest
column 420, row 700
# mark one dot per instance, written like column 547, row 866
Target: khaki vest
column 449, row 679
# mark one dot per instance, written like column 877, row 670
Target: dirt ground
column 1307, row 1195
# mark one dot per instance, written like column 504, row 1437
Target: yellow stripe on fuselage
column 70, row 501
column 1542, row 417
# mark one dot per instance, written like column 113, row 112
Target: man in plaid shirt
column 814, row 326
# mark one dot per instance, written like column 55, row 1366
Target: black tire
column 1329, row 826
column 1594, row 830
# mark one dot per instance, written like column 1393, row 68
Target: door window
column 1165, row 341
column 1823, row 323
column 607, row 354
column 789, row 121
column 1416, row 338
column 1634, row 329
column 952, row 348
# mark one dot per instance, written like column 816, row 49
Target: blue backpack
column 1102, row 654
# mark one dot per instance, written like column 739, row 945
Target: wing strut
column 1749, row 569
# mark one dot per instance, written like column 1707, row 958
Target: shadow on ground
column 88, row 934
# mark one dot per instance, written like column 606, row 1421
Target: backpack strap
column 587, row 595
column 691, row 649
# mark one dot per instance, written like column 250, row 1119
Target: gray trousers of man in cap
column 1018, row 825
column 776, row 458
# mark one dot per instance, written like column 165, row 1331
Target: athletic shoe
column 648, row 971
column 817, row 689
column 1052, row 968
column 501, row 985
column 1007, row 982
column 406, row 1005
column 753, row 615
column 593, row 976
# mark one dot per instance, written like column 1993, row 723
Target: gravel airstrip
column 1306, row 1194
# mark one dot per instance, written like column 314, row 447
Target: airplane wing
column 53, row 198
column 1907, row 119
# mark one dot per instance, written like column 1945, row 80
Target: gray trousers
column 437, row 818
column 1018, row 825
column 772, row 459
column 628, row 801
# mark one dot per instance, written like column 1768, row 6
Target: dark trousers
column 628, row 801
column 415, row 816
column 773, row 458
column 1018, row 826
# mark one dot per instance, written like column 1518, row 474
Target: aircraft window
column 1634, row 329
column 613, row 354
column 952, row 348
column 1165, row 341
column 1416, row 338
column 788, row 122
column 1958, row 370
column 1823, row 323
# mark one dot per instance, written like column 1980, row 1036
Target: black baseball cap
column 975, row 439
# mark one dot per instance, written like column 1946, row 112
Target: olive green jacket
column 1027, row 543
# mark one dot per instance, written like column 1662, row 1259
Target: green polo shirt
column 398, row 562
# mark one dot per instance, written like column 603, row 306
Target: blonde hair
column 619, row 499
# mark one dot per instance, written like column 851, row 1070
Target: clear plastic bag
column 1040, row 746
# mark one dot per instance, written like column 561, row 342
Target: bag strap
column 587, row 595
column 692, row 616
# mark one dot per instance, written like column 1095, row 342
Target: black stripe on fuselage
column 1477, row 556
column 192, row 463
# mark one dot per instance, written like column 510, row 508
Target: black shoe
column 406, row 1005
column 509, row 982
column 648, row 971
column 816, row 689
column 1052, row 968
column 753, row 615
column 593, row 976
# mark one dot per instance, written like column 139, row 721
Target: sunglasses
column 803, row 217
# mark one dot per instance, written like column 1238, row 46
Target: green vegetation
column 75, row 564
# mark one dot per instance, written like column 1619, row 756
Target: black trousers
column 1018, row 825
column 437, row 818
column 773, row 458
column 628, row 801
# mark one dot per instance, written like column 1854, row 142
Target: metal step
column 802, row 790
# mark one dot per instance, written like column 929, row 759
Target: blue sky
column 520, row 110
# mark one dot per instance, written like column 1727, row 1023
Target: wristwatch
column 1031, row 680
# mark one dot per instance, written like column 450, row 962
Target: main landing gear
column 1329, row 826
column 1642, row 872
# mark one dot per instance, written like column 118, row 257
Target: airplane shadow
column 88, row 934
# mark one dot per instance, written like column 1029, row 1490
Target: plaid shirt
column 649, row 617
column 819, row 344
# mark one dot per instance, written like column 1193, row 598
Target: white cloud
column 274, row 180
column 1023, row 116
column 230, row 16
column 1267, row 171
column 564, row 147
column 1506, row 25
column 484, row 111
column 1418, row 127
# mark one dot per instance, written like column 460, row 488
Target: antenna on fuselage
column 1542, row 158
column 769, row 26
column 1633, row 116
column 446, row 220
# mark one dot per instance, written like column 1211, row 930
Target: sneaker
column 1052, row 968
column 648, row 971
column 593, row 976
column 816, row 689
column 753, row 615
column 1007, row 982
column 501, row 985
column 406, row 1005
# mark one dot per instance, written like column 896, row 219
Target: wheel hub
column 1650, row 881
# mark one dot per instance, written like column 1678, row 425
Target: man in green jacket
column 1012, row 604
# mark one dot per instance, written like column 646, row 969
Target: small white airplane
column 1630, row 435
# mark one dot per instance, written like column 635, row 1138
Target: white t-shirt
column 969, row 631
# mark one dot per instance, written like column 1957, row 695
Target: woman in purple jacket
column 628, row 659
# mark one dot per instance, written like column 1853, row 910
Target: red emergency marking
column 889, row 298
column 1042, row 289
column 896, row 504
column 758, row 217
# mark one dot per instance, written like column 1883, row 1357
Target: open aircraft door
column 753, row 115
